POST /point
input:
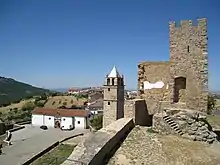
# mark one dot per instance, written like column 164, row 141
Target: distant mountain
column 12, row 90
column 63, row 90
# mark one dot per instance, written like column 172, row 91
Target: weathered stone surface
column 190, row 122
column 160, row 125
column 138, row 110
column 188, row 63
column 93, row 149
column 113, row 103
column 143, row 147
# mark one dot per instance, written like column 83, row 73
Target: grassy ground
column 217, row 103
column 214, row 121
column 56, row 156
column 17, row 105
column 67, row 101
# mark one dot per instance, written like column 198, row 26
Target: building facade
column 181, row 82
column 113, row 103
column 60, row 118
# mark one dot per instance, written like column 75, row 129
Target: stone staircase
column 173, row 125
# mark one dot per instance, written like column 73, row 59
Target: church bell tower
column 113, row 97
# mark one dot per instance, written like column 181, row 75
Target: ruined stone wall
column 193, row 125
column 188, row 56
column 186, row 74
column 154, row 72
column 138, row 111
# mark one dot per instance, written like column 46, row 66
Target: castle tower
column 113, row 97
column 189, row 63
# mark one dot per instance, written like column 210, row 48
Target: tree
column 211, row 104
column 29, row 106
column 96, row 122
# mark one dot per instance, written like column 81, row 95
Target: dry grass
column 16, row 105
column 183, row 151
column 143, row 147
column 217, row 103
column 214, row 121
column 67, row 101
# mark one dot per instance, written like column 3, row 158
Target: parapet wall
column 183, row 23
column 95, row 149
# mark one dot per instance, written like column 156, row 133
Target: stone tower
column 189, row 63
column 181, row 82
column 113, row 97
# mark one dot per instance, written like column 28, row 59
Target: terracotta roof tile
column 61, row 112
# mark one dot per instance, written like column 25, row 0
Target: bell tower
column 113, row 97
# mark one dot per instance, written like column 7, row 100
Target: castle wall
column 188, row 56
column 153, row 83
column 138, row 111
column 184, row 77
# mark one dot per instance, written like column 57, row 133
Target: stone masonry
column 184, row 77
column 113, row 97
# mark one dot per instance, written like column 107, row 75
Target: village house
column 65, row 119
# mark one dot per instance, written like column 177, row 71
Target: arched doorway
column 179, row 89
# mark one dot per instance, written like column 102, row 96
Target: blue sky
column 56, row 44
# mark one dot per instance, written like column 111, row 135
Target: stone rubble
column 192, row 124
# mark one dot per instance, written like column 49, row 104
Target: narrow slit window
column 188, row 48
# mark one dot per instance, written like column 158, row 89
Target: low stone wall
column 24, row 122
column 97, row 148
column 41, row 154
column 18, row 127
column 46, row 150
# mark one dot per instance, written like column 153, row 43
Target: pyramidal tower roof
column 114, row 73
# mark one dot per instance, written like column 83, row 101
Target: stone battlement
column 188, row 23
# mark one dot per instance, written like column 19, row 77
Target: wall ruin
column 138, row 111
column 185, row 75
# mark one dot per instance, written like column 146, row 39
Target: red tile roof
column 61, row 112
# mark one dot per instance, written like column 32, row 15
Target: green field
column 56, row 156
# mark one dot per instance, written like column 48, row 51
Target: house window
column 78, row 122
column 108, row 103
column 108, row 89
column 49, row 118
column 64, row 119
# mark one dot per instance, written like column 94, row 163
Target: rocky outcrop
column 186, row 123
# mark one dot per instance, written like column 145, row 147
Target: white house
column 65, row 119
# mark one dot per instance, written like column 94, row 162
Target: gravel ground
column 143, row 147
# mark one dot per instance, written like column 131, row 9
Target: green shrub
column 39, row 104
column 29, row 106
column 96, row 122
column 211, row 104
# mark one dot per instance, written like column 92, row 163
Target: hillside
column 12, row 90
column 67, row 101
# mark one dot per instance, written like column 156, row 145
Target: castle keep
column 181, row 82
